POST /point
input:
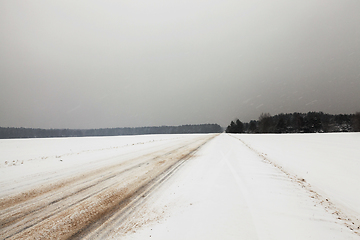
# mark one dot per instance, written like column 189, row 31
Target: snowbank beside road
column 330, row 162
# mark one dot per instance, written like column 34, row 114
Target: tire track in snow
column 81, row 184
column 67, row 215
column 257, row 223
column 57, row 184
column 351, row 222
column 101, row 229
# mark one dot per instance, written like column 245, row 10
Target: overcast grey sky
column 96, row 64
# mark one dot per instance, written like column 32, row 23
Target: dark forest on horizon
column 11, row 132
column 311, row 122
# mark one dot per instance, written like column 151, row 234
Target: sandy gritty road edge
column 25, row 210
column 82, row 219
column 350, row 221
column 55, row 182
column 118, row 219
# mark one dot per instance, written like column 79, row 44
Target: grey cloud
column 88, row 64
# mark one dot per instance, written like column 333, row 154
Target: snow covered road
column 88, row 200
column 231, row 192
column 177, row 187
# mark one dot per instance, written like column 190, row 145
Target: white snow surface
column 329, row 161
column 230, row 192
column 37, row 157
column 237, row 186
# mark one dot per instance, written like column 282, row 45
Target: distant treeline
column 48, row 133
column 311, row 122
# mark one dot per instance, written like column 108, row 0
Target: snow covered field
column 228, row 186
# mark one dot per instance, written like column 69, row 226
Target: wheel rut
column 91, row 202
